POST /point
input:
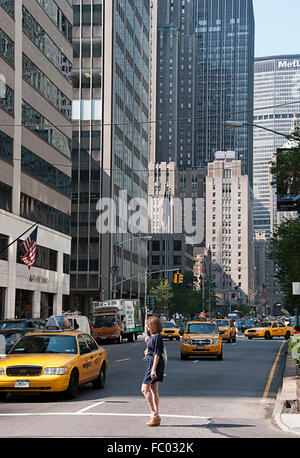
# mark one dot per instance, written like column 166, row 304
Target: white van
column 80, row 320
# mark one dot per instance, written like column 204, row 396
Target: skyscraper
column 110, row 142
column 224, row 79
column 35, row 153
column 276, row 87
column 229, row 228
column 174, row 98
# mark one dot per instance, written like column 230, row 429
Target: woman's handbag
column 165, row 355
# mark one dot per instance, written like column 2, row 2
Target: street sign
column 151, row 300
column 296, row 288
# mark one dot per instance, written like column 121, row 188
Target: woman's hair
column 154, row 325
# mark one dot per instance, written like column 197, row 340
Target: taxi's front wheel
column 100, row 380
column 183, row 356
column 72, row 389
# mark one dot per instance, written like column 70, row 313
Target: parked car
column 22, row 323
column 12, row 335
column 201, row 338
column 53, row 361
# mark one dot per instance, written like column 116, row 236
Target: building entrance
column 23, row 303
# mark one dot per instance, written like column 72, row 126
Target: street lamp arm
column 147, row 237
column 147, row 272
column 234, row 124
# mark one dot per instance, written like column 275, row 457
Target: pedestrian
column 155, row 368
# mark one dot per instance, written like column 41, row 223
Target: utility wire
column 160, row 120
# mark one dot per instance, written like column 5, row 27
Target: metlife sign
column 288, row 64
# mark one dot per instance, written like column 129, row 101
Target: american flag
column 29, row 247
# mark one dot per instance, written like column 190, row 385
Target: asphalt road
column 199, row 398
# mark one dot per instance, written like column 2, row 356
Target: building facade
column 224, row 34
column 276, row 85
column 110, row 144
column 173, row 88
column 229, row 228
column 35, row 153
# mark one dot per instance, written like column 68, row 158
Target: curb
column 288, row 422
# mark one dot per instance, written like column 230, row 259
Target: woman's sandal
column 154, row 421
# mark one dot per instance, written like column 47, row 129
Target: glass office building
column 110, row 143
column 277, row 86
column 224, row 79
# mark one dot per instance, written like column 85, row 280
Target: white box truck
column 116, row 319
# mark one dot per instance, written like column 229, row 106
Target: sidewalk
column 286, row 413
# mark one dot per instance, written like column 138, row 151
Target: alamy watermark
column 166, row 215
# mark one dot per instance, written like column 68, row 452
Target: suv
column 201, row 338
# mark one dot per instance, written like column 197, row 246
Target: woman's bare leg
column 155, row 396
column 147, row 392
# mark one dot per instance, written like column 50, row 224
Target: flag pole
column 6, row 248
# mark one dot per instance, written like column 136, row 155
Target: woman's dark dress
column 155, row 347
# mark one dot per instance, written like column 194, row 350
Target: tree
column 186, row 300
column 285, row 250
column 286, row 168
column 163, row 292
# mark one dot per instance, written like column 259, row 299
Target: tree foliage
column 286, row 168
column 285, row 250
column 163, row 292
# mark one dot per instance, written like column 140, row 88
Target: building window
column 45, row 130
column 177, row 245
column 39, row 37
column 155, row 260
column 36, row 78
column 6, row 147
column 45, row 172
column 5, row 197
column 3, row 245
column 6, row 48
column 177, row 260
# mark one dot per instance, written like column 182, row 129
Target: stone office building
column 35, row 153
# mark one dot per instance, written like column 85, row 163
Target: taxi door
column 281, row 329
column 275, row 330
column 85, row 361
column 95, row 355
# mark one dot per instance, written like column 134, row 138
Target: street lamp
column 236, row 124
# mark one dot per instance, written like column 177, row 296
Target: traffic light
column 178, row 278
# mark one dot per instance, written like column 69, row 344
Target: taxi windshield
column 264, row 324
column 222, row 323
column 201, row 328
column 168, row 325
column 45, row 344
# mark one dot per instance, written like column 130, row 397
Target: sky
column 277, row 27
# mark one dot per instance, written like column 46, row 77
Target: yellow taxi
column 170, row 330
column 201, row 338
column 53, row 361
column 270, row 329
column 228, row 327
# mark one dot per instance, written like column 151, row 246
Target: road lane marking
column 89, row 407
column 119, row 360
column 268, row 385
